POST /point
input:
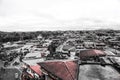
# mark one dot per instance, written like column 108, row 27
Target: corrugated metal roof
column 34, row 54
column 33, row 61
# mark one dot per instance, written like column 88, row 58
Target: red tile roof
column 91, row 53
column 65, row 70
column 36, row 69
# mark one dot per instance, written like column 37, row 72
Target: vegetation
column 16, row 36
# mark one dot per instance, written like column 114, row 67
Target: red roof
column 65, row 70
column 36, row 69
column 91, row 53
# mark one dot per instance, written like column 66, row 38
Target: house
column 30, row 69
column 89, row 44
column 60, row 69
column 90, row 53
column 100, row 45
column 31, row 72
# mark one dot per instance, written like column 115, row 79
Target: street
column 97, row 72
column 9, row 74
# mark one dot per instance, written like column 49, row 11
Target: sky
column 37, row 15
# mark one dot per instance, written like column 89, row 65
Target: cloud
column 27, row 15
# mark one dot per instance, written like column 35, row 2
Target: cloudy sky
column 35, row 15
